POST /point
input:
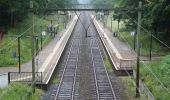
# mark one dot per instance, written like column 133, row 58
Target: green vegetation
column 102, row 3
column 156, row 76
column 108, row 64
column 16, row 10
column 130, row 88
column 125, row 36
column 15, row 20
column 157, row 49
column 9, row 44
column 154, row 18
column 19, row 91
column 55, row 81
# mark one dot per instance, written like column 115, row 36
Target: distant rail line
column 67, row 86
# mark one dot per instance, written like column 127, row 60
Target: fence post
column 41, row 77
column 8, row 77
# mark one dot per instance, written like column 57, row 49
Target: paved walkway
column 27, row 67
column 119, row 51
column 122, row 56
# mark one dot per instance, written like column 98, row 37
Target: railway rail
column 69, row 85
column 66, row 87
column 103, row 83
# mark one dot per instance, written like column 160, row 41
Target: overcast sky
column 83, row 1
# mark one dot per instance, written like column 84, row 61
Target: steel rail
column 63, row 74
column 62, row 77
column 105, row 70
column 108, row 75
column 95, row 76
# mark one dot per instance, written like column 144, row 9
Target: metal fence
column 24, row 77
column 144, row 89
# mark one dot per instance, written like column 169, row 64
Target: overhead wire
column 20, row 35
column 10, row 87
column 154, row 74
column 23, row 32
column 149, row 33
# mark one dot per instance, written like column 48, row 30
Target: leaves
column 11, row 10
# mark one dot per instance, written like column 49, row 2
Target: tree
column 155, row 15
column 15, row 10
column 103, row 3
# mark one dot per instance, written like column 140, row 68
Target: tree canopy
column 155, row 14
column 102, row 3
column 155, row 17
column 16, row 10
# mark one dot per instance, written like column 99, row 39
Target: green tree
column 103, row 3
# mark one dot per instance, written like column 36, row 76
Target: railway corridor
column 81, row 72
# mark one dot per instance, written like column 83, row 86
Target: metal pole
column 151, row 40
column 41, row 38
column 138, row 50
column 65, row 21
column 134, row 40
column 58, row 23
column 19, row 55
column 111, row 25
column 104, row 21
column 118, row 26
column 32, row 51
column 54, row 31
column 86, row 33
column 58, row 20
column 36, row 45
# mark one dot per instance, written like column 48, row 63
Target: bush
column 19, row 91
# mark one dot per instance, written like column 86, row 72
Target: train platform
column 46, row 60
column 122, row 55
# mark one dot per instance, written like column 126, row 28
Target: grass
column 9, row 44
column 130, row 88
column 108, row 64
column 19, row 91
column 125, row 36
column 55, row 81
column 157, row 49
column 156, row 76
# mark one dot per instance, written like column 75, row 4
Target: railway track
column 103, row 83
column 104, row 89
column 66, row 87
column 82, row 79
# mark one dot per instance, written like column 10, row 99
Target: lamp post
column 36, row 46
column 19, row 55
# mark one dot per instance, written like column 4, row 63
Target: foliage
column 155, row 16
column 156, row 76
column 18, row 91
column 125, row 36
column 15, row 11
column 108, row 64
column 9, row 44
column 102, row 3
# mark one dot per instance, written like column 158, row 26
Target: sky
column 84, row 1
